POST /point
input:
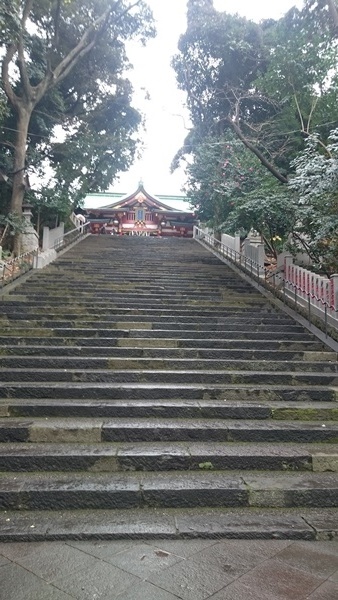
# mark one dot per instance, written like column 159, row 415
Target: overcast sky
column 166, row 118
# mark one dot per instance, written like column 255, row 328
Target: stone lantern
column 29, row 238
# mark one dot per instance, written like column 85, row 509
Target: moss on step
column 27, row 333
column 147, row 342
column 305, row 414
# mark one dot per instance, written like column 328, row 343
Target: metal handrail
column 71, row 236
column 275, row 282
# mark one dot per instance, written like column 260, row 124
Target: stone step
column 167, row 489
column 80, row 327
column 141, row 374
column 156, row 391
column 177, row 524
column 99, row 325
column 105, row 353
column 199, row 456
column 164, row 343
column 186, row 364
column 87, row 302
column 131, row 293
column 192, row 409
column 173, row 409
column 77, row 332
column 191, row 296
column 95, row 430
column 286, row 378
column 19, row 304
column 157, row 318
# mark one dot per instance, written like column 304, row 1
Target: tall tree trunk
column 18, row 190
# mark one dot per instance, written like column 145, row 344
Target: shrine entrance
column 140, row 214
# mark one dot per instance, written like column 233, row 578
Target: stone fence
column 34, row 257
column 51, row 236
column 318, row 291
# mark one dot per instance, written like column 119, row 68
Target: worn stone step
column 127, row 363
column 165, row 343
column 153, row 391
column 158, row 330
column 162, row 456
column 167, row 296
column 178, row 524
column 15, row 305
column 248, row 333
column 151, row 301
column 106, row 353
column 158, row 319
column 86, row 303
column 194, row 409
column 145, row 373
column 170, row 489
column 287, row 378
column 99, row 325
column 94, row 430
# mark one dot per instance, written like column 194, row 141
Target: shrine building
column 138, row 214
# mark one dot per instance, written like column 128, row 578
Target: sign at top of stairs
column 147, row 390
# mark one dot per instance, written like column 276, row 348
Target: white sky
column 165, row 114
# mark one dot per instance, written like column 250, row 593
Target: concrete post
column 45, row 238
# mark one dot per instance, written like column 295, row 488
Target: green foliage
column 315, row 184
column 223, row 171
column 9, row 21
column 218, row 54
column 271, row 210
column 10, row 225
column 256, row 94
column 83, row 128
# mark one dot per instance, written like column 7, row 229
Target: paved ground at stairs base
column 169, row 569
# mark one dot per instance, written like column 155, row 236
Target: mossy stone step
column 142, row 373
column 164, row 343
column 192, row 409
column 162, row 456
column 155, row 391
column 59, row 491
column 95, row 430
column 180, row 364
column 158, row 320
column 222, row 377
column 106, row 353
column 162, row 329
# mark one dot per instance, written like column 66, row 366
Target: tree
column 315, row 185
column 220, row 58
column 48, row 40
column 270, row 86
column 221, row 175
column 271, row 210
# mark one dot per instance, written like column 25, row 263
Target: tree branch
column 299, row 112
column 314, row 104
column 85, row 45
column 265, row 162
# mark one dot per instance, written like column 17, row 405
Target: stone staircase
column 147, row 390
